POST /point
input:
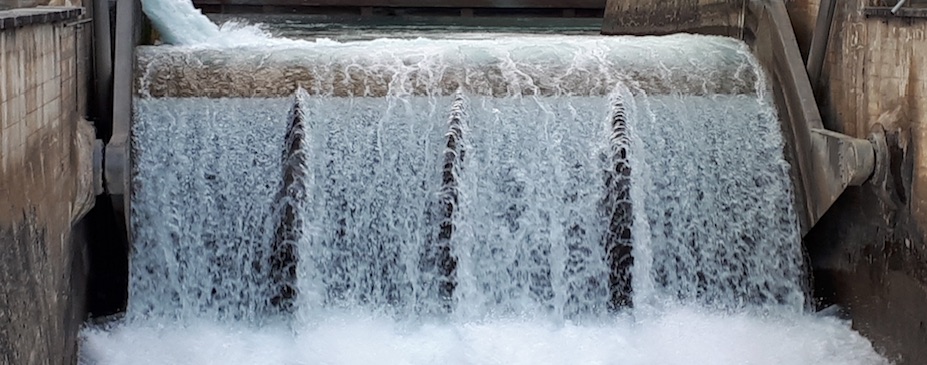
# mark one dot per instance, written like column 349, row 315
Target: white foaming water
column 179, row 23
column 677, row 337
column 530, row 232
column 716, row 262
column 204, row 194
column 372, row 179
column 716, row 203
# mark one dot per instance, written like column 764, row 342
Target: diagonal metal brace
column 840, row 161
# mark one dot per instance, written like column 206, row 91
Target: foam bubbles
column 679, row 336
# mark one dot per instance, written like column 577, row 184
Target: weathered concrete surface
column 12, row 4
column 803, row 15
column 15, row 4
column 45, row 187
column 703, row 16
column 17, row 18
column 865, row 260
column 722, row 17
column 871, row 253
column 876, row 72
column 178, row 72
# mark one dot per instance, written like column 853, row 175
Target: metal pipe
column 103, row 64
column 819, row 41
column 898, row 6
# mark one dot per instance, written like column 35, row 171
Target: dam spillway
column 703, row 203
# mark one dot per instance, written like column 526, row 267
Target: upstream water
column 627, row 228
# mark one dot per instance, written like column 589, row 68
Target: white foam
column 180, row 23
column 680, row 336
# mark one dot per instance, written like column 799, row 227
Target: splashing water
column 179, row 23
column 717, row 210
column 204, row 187
column 677, row 337
column 469, row 229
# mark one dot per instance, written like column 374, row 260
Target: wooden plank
column 519, row 4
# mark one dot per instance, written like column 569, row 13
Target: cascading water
column 373, row 178
column 529, row 237
column 491, row 225
column 717, row 219
column 204, row 190
column 180, row 22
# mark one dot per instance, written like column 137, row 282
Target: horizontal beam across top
column 501, row 4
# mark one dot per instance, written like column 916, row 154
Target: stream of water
column 426, row 228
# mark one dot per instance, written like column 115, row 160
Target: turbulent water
column 180, row 23
column 625, row 227
column 203, row 207
column 716, row 223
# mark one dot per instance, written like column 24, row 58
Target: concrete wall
column 45, row 185
column 12, row 4
column 803, row 14
column 671, row 16
column 870, row 252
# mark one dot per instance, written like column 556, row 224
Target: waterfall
column 552, row 194
column 506, row 222
column 178, row 22
column 203, row 197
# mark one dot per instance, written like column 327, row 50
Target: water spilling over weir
column 542, row 200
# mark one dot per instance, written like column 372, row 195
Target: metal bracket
column 881, row 181
column 840, row 161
